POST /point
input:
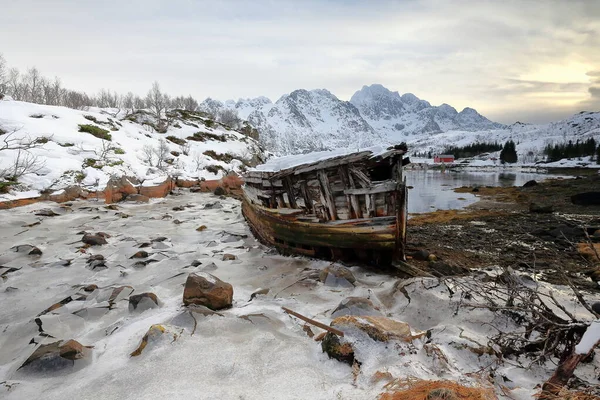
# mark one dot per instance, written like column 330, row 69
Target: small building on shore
column 443, row 159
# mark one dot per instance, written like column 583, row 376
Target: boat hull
column 372, row 240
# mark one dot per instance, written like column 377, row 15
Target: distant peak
column 469, row 110
column 409, row 98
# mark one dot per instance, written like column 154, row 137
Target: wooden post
column 326, row 194
column 289, row 189
column 351, row 200
column 306, row 196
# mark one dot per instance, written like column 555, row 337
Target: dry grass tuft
column 417, row 389
column 444, row 216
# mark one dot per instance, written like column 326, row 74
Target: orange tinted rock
column 207, row 290
column 160, row 190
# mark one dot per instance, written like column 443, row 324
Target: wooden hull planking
column 348, row 207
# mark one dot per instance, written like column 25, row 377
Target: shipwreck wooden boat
column 334, row 205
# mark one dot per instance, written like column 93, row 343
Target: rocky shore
column 174, row 297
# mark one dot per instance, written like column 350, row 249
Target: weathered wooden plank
column 326, row 194
column 379, row 188
column 333, row 162
column 281, row 200
column 351, row 199
column 372, row 205
column 289, row 188
column 361, row 178
column 308, row 203
column 354, row 199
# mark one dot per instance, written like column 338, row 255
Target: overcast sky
column 533, row 61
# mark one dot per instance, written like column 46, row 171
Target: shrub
column 204, row 136
column 42, row 140
column 221, row 157
column 37, row 115
column 66, row 144
column 90, row 118
column 115, row 163
column 209, row 123
column 95, row 131
column 5, row 186
column 215, row 169
column 90, row 162
column 119, row 150
column 176, row 140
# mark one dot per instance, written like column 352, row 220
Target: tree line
column 31, row 86
column 472, row 150
column 555, row 152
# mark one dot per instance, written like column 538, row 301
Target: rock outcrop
column 207, row 290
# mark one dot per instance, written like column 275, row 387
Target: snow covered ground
column 253, row 350
column 70, row 157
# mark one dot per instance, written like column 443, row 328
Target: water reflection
column 433, row 190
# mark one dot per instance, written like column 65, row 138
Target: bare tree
column 157, row 101
column 157, row 155
column 162, row 152
column 185, row 148
column 190, row 104
column 106, row 99
column 3, row 75
column 139, row 103
column 148, row 155
column 24, row 162
column 15, row 86
column 33, row 86
column 77, row 100
column 198, row 161
column 229, row 117
column 127, row 102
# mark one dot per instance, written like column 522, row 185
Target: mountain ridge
column 310, row 120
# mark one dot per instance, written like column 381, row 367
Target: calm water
column 434, row 190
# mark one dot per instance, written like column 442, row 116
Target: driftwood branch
column 313, row 322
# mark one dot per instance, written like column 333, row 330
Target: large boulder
column 118, row 188
column 207, row 290
column 586, row 199
column 55, row 356
column 143, row 301
column 94, row 240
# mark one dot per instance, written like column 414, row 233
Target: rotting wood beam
column 289, row 188
column 308, row 203
column 352, row 200
column 378, row 188
column 326, row 194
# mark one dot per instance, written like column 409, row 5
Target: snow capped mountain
column 305, row 120
column 399, row 117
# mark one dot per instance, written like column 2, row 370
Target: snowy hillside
column 68, row 148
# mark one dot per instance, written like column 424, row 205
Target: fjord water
column 434, row 189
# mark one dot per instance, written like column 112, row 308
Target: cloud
column 460, row 52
